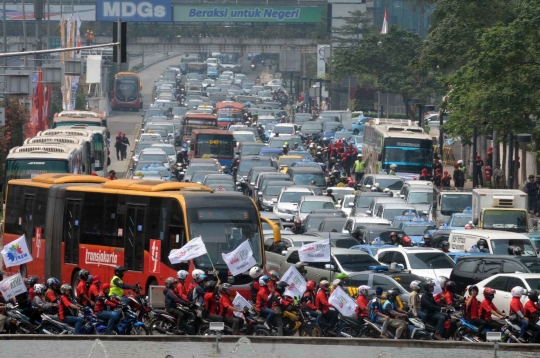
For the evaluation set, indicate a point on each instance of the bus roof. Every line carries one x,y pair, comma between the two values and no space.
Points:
59,178
77,130
212,131
80,114
119,74
77,117
229,104
153,185
41,151
398,128
54,140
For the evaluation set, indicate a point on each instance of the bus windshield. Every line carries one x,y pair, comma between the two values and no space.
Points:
28,168
214,145
127,88
222,231
190,126
408,152
454,203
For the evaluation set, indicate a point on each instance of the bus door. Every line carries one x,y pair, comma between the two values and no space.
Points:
177,235
72,231
28,219
134,240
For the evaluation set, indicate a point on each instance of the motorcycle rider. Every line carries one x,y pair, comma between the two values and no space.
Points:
194,275
211,301
321,301
279,299
261,305
472,307
530,311
25,306
376,314
30,282
393,168
297,228
487,308
82,290
308,301
172,300
390,310
359,168
442,284
103,306
445,247
275,276
53,286
181,282
199,291
226,308
67,309
517,307
39,299
332,181
301,267
330,195
482,245
117,285
450,293
433,311
255,272
95,288
362,311
394,239
427,240
414,301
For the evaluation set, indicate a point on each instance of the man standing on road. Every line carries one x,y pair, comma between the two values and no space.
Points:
531,189
125,142
118,145
359,168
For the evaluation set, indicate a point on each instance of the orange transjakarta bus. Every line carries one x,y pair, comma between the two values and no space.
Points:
75,222
229,113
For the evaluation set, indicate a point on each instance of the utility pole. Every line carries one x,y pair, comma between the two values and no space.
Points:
48,21
4,28
38,14
25,43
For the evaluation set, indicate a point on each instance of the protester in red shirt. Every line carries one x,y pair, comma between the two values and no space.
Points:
261,304
94,289
67,309
52,290
530,310
82,290
362,302
487,308
309,299
211,301
226,308
103,305
516,307
321,301
181,287
472,308
449,294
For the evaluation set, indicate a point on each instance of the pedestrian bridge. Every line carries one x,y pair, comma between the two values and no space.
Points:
201,44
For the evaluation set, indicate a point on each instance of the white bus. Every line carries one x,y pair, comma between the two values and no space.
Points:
400,142
95,149
70,118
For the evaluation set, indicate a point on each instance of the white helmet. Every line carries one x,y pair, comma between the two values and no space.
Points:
255,272
39,288
195,273
312,145
518,291
377,185
182,274
386,190
442,280
460,161
373,188
393,166
415,285
359,155
364,290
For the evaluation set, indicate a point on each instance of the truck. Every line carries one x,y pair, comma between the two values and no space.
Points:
448,201
500,209
344,117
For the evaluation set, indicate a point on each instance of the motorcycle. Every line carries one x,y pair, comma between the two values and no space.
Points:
351,327
416,330
16,322
52,324
139,304
129,323
166,323
253,66
253,326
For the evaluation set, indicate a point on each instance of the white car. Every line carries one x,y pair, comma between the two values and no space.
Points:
155,155
212,60
347,203
169,149
284,130
287,202
309,203
503,283
421,261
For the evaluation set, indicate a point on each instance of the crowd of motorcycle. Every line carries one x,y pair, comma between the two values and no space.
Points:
190,308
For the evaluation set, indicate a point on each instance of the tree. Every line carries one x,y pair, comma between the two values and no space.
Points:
356,26
12,133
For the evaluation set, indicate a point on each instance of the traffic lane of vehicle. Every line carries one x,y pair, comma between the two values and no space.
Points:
198,349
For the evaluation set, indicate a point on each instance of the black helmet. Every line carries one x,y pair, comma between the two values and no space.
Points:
210,286
329,191
445,244
225,287
169,282
472,288
451,286
481,242
281,286
32,280
119,270
427,237
533,295
517,251
392,295
90,279
83,275
427,285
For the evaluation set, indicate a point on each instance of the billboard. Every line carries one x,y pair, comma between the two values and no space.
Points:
275,14
86,12
134,10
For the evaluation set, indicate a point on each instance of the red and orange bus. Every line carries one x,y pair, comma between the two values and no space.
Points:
229,113
75,222
127,91
193,121
213,143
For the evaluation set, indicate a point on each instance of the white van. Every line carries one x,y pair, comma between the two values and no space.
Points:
497,241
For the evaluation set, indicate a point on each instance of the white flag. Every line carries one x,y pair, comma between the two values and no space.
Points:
342,302
240,302
297,284
16,253
12,286
318,251
191,250
384,29
240,260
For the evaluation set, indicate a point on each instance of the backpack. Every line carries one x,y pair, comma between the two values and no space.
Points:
372,307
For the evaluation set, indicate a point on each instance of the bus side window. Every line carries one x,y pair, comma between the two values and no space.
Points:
14,209
177,234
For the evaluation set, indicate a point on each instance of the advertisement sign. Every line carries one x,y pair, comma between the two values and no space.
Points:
101,256
240,260
86,12
16,253
12,286
134,10
277,14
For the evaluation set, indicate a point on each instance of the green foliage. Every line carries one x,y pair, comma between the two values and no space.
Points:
12,134
356,26
80,100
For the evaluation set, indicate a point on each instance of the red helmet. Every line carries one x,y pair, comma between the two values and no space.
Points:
105,286
407,241
489,293
310,286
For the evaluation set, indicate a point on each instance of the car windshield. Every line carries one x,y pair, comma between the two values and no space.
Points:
420,198
460,221
283,129
392,184
293,197
347,201
273,190
455,203
250,149
141,146
331,127
364,201
390,213
418,230
312,126
534,283
500,246
430,260
151,157
308,179
169,150
355,263
244,137
199,176
309,206
246,165
313,222
195,168
333,226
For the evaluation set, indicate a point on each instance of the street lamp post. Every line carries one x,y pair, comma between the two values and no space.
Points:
306,97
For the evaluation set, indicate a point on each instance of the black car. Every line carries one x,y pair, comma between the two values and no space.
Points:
314,219
311,130
368,233
268,195
246,163
362,201
470,270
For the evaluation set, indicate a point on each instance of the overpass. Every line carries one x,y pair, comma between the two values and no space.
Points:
200,44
